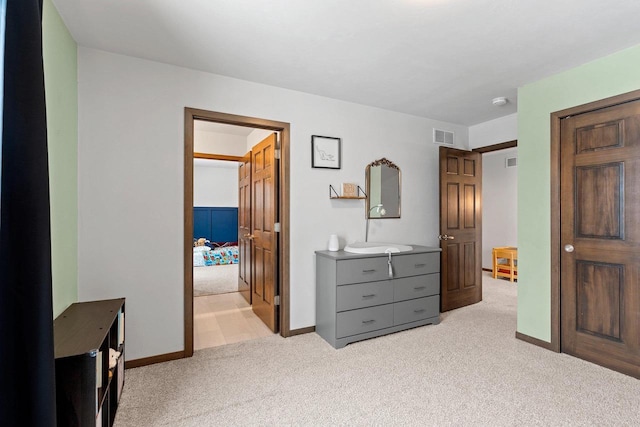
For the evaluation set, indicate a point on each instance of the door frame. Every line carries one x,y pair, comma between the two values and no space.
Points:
493,148
191,114
556,244
496,147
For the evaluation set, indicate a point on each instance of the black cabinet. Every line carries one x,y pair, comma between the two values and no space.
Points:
87,387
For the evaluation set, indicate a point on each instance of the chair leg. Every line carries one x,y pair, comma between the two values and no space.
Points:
495,266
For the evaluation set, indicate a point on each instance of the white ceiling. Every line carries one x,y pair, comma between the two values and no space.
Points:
441,59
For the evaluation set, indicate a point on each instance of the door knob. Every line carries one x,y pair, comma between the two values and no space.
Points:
249,236
445,237
569,248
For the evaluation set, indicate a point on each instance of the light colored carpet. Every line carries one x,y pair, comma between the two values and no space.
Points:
468,370
215,279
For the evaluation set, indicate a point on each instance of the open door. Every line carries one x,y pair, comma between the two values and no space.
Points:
264,238
460,228
244,226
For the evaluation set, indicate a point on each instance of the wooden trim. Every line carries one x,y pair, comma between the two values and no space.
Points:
302,331
285,180
556,117
136,363
192,114
536,341
188,232
600,104
217,157
496,147
236,120
555,232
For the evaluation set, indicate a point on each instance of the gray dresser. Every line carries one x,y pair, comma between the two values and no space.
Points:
356,299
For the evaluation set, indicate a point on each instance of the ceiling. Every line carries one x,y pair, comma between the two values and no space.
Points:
441,59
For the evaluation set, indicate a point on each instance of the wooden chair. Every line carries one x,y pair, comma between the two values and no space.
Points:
505,261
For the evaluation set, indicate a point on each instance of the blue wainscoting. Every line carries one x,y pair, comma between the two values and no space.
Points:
215,224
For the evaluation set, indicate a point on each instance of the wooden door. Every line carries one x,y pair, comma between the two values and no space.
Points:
244,227
600,237
264,203
460,228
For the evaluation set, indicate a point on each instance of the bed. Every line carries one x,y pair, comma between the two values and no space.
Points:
222,255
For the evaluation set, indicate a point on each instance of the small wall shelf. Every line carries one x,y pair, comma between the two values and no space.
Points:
333,194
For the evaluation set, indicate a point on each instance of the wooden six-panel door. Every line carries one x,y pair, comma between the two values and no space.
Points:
244,227
460,228
600,237
264,204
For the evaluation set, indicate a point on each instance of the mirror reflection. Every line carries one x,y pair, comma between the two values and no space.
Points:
383,190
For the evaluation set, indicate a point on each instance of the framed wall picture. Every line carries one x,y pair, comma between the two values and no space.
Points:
325,152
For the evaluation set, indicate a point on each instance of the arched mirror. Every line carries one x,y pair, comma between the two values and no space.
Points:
383,190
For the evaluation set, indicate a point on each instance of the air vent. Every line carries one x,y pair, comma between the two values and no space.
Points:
442,137
511,162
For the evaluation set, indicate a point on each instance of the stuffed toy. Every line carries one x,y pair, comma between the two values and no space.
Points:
113,358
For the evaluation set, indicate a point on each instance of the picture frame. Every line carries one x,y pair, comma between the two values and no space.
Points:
325,152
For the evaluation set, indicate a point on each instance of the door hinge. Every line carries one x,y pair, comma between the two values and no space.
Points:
277,154
276,227
276,300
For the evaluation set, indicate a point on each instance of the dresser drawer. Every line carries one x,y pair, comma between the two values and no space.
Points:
364,320
362,270
359,295
414,265
416,309
416,287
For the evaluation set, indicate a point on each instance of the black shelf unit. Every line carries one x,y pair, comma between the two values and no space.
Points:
87,390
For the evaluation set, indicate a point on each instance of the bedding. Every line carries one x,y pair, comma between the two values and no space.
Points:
218,256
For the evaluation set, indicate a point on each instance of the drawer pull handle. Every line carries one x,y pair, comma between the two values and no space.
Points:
419,311
369,271
419,288
368,321
420,265
369,296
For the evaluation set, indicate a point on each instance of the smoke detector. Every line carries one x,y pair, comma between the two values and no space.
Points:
499,101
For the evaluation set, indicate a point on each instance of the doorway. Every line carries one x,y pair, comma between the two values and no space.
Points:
499,202
221,314
281,238
595,169
461,224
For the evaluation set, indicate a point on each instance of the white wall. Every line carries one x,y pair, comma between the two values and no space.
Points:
257,136
215,183
219,143
130,177
496,131
499,203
